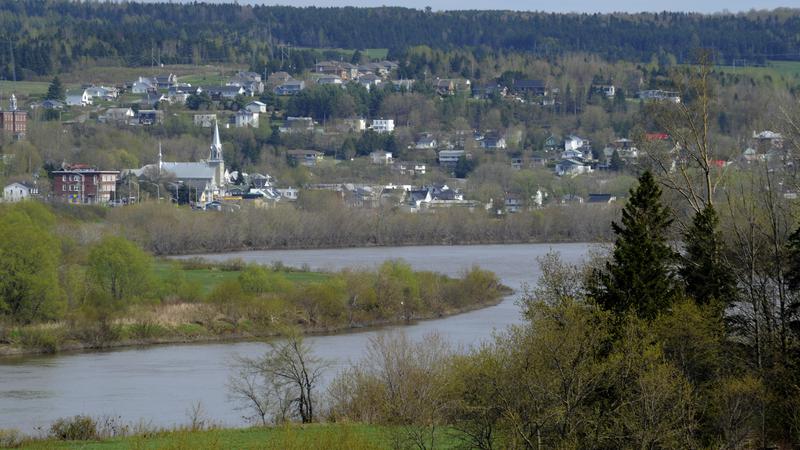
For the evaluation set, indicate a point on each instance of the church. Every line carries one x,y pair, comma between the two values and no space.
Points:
208,178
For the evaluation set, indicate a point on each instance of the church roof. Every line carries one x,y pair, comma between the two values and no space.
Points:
189,170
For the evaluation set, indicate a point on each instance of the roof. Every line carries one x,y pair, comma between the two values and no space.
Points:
601,198
189,170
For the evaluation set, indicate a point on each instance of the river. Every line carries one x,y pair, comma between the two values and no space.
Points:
158,385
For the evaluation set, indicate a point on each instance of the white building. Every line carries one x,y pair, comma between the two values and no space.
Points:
573,142
450,157
16,192
383,125
571,167
245,118
381,157
82,99
256,107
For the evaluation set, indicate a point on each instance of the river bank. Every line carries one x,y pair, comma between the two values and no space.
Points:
10,351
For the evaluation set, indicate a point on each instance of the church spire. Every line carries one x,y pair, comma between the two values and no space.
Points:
216,145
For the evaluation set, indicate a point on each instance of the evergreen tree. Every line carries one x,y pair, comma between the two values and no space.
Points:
706,275
639,276
616,162
56,90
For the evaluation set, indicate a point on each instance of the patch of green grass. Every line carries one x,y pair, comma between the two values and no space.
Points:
293,437
779,71
207,279
23,88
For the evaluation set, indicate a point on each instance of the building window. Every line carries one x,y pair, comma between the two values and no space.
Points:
64,187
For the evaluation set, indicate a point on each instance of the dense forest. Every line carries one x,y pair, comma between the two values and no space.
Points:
45,37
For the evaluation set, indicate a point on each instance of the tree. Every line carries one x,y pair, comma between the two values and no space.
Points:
793,272
706,275
56,90
639,276
29,257
289,370
118,268
616,162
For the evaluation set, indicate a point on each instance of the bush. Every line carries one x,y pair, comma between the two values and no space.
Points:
78,428
10,438
146,330
47,340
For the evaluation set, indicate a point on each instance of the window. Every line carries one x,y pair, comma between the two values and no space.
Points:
64,187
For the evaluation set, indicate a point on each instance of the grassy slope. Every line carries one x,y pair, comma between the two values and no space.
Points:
318,436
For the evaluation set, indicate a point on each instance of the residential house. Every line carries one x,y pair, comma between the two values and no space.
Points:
383,125
297,125
601,199
488,90
493,141
551,144
102,92
205,120
449,86
514,203
354,125
766,140
289,194
418,198
79,99
223,92
16,192
573,142
369,80
344,70
536,88
84,184
660,95
411,168
277,78
246,118
165,81
572,167
143,85
606,90
250,81
256,107
426,141
48,104
260,181
291,87
120,116
152,99
149,116
449,158
308,158
517,163
381,157
329,79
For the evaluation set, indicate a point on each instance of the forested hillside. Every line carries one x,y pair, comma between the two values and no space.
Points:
42,37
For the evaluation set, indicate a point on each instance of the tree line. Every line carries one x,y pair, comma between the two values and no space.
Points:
47,36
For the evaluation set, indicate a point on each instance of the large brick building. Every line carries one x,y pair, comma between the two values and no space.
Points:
83,184
12,120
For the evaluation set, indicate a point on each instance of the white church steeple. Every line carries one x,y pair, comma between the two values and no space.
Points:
216,145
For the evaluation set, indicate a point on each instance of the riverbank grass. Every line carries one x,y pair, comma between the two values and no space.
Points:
289,437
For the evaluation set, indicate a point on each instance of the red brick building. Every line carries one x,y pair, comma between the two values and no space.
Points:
14,121
83,184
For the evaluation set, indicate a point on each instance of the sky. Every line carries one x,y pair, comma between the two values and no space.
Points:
588,6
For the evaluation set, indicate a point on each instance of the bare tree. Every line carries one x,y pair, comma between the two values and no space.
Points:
282,380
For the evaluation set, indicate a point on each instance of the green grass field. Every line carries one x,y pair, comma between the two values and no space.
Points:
294,437
207,279
789,71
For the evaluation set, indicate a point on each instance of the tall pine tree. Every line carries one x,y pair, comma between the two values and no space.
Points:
704,271
793,272
639,276
56,90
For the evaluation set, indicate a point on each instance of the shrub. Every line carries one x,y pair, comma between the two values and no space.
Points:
146,330
78,428
47,340
10,438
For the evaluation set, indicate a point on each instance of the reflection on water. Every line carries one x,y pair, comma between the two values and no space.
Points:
159,384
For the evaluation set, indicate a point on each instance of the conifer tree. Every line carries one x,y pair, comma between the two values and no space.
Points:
704,271
56,90
639,276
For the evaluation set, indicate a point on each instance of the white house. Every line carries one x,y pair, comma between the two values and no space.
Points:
383,125
571,167
381,157
450,157
16,192
573,142
82,99
256,107
246,118
117,115
142,86
289,194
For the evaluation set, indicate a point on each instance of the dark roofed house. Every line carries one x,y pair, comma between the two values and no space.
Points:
165,81
532,87
601,199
